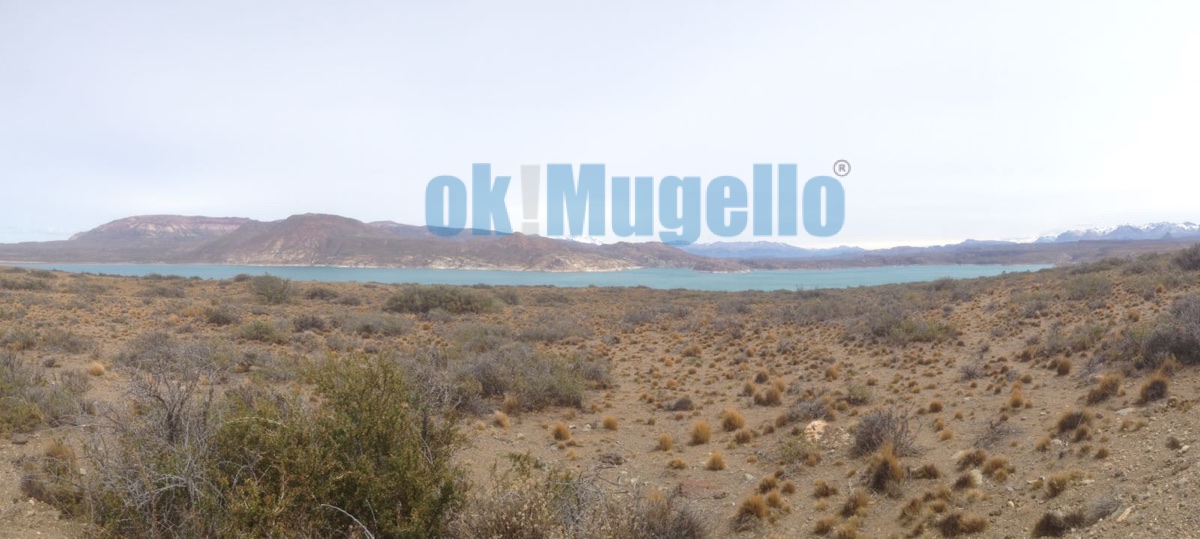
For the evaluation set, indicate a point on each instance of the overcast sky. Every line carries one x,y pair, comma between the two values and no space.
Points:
997,120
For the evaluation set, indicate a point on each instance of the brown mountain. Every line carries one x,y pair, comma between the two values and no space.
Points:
163,226
330,240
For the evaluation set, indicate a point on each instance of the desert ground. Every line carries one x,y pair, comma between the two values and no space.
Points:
1048,404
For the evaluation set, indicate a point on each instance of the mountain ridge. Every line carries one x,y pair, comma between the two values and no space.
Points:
331,240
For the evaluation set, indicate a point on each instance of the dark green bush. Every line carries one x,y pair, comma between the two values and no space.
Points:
261,330
535,379
271,289
220,315
321,293
370,457
452,299
24,284
369,460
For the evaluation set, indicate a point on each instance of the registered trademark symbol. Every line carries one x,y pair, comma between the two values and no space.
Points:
841,167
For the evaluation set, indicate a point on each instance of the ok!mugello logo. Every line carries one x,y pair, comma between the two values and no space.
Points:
584,200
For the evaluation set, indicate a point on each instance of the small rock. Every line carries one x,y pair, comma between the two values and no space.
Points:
20,439
1125,515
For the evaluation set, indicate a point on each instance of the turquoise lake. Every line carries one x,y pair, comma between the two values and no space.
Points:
653,278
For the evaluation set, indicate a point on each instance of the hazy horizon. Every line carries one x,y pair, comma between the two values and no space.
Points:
962,121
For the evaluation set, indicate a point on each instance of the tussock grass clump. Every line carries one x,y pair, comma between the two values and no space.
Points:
970,459
855,504
732,420
1154,388
500,419
701,432
96,368
770,396
560,431
665,442
926,471
822,489
609,422
1057,484
884,474
1073,419
716,462
1107,387
957,524
751,513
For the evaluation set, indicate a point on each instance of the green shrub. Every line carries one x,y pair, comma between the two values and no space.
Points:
183,463
1087,287
271,289
371,456
376,324
66,341
1188,259
28,400
220,315
536,380
261,330
422,299
321,293
24,284
163,292
308,322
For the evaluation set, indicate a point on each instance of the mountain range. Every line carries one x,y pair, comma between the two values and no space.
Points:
1153,231
331,240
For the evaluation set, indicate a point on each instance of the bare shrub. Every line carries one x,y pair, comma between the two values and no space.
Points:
876,428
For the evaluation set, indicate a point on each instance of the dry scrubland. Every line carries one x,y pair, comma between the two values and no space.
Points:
1049,404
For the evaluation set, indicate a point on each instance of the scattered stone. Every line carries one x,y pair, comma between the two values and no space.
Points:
20,439
1125,515
815,430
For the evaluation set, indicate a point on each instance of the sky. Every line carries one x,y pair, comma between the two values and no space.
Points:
981,120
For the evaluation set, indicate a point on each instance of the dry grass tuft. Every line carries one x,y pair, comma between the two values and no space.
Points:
609,422
716,462
958,524
1106,388
1154,388
96,368
750,513
884,473
821,489
701,432
855,504
732,420
665,442
560,431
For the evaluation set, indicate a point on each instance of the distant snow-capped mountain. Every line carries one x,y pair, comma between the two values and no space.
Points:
1152,231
